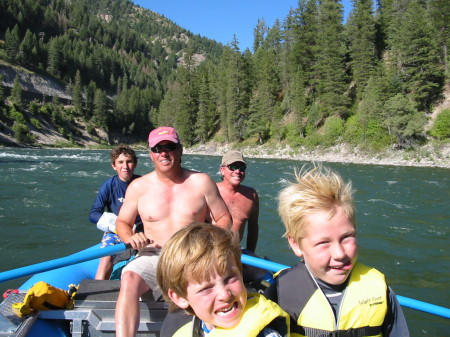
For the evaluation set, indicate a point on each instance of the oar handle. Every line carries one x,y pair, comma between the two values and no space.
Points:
79,257
404,301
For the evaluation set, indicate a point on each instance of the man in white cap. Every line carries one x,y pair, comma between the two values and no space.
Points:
242,201
167,199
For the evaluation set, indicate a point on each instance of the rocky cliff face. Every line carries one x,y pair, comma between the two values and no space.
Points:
43,88
42,85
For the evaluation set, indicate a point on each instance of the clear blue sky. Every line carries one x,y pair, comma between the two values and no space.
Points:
220,20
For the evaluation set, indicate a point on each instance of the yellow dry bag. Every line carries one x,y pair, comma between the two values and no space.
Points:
43,296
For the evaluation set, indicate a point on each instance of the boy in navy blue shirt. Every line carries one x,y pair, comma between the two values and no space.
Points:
109,200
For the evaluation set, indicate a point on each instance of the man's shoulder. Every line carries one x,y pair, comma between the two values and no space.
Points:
141,180
247,191
196,175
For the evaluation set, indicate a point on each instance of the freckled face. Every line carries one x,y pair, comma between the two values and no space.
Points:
124,166
330,247
218,302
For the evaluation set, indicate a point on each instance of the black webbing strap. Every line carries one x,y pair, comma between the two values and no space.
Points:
353,332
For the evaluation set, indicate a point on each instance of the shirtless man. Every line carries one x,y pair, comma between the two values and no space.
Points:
167,199
243,204
242,201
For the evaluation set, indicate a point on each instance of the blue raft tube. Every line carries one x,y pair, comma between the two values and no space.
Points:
74,268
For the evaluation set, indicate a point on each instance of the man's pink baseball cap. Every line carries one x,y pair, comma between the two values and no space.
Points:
163,133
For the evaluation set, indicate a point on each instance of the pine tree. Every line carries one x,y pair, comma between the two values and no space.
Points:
361,33
236,92
415,54
12,42
259,33
403,120
28,48
101,109
16,93
439,14
54,56
77,94
186,112
90,96
268,87
330,78
205,124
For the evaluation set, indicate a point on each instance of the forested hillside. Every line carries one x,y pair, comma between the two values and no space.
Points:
310,79
114,59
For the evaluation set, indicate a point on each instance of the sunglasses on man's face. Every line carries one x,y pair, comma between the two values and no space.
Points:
169,147
234,167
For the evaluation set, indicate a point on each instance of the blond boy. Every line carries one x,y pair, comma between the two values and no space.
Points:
200,271
329,292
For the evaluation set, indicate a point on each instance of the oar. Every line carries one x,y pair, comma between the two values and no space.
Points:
250,260
405,301
62,262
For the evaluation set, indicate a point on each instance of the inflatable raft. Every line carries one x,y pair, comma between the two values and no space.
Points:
95,301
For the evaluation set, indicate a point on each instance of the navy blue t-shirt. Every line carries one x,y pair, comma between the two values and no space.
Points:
110,198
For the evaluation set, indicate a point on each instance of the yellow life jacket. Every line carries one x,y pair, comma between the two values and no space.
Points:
43,296
362,310
259,313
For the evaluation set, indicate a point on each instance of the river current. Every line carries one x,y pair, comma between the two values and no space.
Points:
402,216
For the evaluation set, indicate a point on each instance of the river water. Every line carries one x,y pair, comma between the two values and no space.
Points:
402,216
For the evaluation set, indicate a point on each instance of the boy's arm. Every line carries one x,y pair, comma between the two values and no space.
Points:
99,205
394,324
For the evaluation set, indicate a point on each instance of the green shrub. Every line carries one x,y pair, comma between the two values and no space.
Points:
17,116
45,110
353,131
441,126
33,106
377,137
22,133
332,130
292,136
36,123
312,141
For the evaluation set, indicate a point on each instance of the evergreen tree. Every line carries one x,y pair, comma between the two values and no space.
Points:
330,71
205,124
267,89
403,120
361,34
90,96
16,93
439,14
12,42
77,94
100,116
186,112
55,56
28,49
236,93
259,33
415,54
304,43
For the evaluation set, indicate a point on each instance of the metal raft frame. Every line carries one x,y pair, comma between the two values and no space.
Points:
92,315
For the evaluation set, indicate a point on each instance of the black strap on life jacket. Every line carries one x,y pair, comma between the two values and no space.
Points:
352,332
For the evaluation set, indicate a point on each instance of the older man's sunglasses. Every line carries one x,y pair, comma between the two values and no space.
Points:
240,167
169,147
